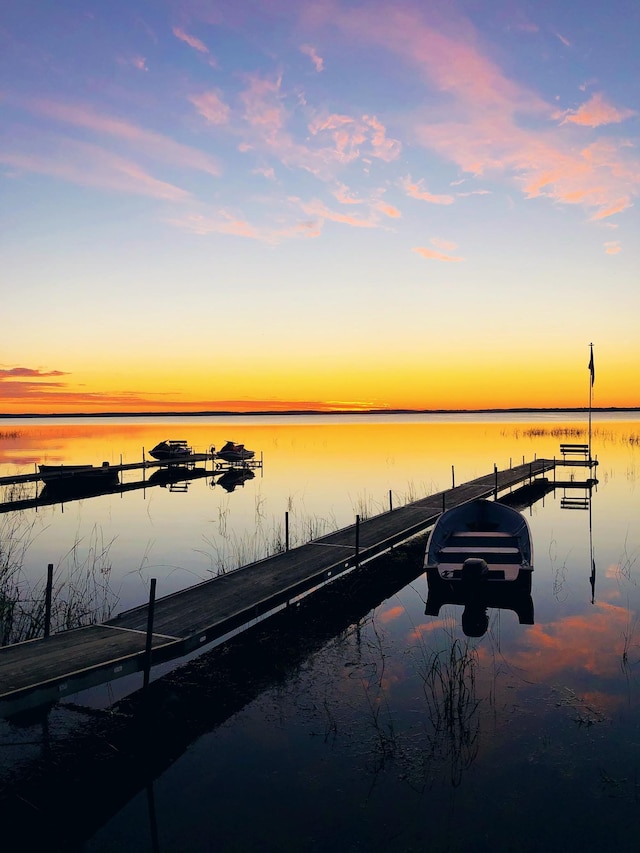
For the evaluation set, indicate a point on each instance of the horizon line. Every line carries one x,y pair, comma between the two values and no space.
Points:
330,412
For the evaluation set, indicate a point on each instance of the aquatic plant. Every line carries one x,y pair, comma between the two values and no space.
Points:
448,674
81,593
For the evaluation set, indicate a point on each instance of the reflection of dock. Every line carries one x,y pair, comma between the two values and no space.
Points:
44,670
173,475
179,462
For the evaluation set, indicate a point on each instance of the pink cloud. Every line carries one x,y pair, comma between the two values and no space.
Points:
344,196
613,247
484,122
385,149
146,142
433,255
417,190
211,107
311,52
192,41
564,41
352,138
91,166
388,210
266,172
138,62
317,208
224,222
618,207
596,112
445,245
31,372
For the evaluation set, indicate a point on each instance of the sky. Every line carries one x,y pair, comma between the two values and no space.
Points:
332,205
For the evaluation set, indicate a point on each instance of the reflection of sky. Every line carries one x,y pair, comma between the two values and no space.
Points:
554,702
323,472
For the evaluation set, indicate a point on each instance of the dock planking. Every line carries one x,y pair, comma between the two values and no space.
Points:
42,671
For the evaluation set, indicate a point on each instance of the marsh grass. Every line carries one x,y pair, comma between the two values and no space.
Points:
227,550
447,671
81,593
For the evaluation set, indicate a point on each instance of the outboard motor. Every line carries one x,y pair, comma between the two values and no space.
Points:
474,570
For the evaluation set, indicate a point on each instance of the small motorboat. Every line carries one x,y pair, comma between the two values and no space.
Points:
171,449
480,542
78,473
235,453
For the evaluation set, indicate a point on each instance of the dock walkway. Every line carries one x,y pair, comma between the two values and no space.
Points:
44,670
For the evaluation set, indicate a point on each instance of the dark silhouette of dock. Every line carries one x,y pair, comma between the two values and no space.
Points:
42,671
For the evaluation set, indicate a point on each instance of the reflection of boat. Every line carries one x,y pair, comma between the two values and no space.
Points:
235,477
171,449
235,452
175,474
77,473
75,488
480,542
475,621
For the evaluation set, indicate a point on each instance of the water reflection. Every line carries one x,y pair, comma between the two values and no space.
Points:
476,603
544,715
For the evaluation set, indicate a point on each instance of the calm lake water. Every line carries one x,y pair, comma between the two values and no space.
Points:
364,723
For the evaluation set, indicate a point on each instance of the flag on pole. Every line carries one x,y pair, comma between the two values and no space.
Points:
592,369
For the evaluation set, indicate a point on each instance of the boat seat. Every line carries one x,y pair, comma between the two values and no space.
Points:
490,555
475,539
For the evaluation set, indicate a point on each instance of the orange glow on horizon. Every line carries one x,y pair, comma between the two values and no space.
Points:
458,383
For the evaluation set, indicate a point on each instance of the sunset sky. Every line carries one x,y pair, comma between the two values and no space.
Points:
240,205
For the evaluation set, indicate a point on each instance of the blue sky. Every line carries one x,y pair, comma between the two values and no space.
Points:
324,204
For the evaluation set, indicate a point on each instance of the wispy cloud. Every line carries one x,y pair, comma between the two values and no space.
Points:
311,52
565,41
445,245
211,107
435,255
613,247
91,166
192,41
30,372
226,222
143,141
597,112
354,136
375,202
488,124
318,209
418,190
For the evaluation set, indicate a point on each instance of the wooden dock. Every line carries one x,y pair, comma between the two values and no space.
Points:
117,468
42,671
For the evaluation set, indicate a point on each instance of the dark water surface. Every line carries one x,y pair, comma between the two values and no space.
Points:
356,721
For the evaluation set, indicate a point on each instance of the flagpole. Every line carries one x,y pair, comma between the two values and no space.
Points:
591,376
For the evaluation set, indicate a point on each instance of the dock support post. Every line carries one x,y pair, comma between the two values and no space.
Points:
47,600
357,559
495,490
286,530
453,477
390,501
147,656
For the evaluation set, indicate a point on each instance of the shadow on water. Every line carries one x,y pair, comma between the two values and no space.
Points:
82,776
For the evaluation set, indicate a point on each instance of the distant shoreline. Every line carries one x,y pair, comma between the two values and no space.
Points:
316,412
